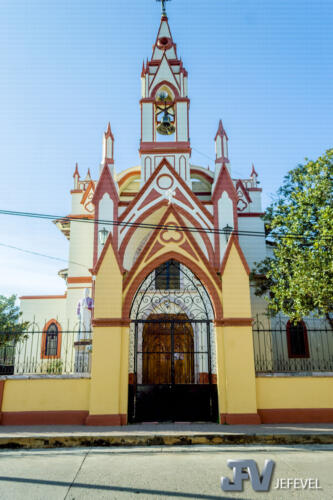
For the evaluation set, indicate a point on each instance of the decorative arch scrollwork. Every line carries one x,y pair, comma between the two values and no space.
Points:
191,298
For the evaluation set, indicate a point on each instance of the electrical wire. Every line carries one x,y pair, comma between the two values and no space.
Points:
213,160
107,222
31,252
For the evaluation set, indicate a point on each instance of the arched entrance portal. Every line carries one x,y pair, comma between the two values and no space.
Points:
172,349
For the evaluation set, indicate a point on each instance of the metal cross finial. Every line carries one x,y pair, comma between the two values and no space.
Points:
163,6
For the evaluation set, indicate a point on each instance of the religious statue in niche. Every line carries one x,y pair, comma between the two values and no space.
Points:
84,312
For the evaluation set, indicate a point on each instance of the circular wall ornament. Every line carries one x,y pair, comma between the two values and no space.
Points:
165,181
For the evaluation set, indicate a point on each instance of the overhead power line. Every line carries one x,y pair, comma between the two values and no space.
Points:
107,222
38,254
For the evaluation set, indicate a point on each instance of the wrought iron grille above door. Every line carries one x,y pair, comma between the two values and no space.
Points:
173,376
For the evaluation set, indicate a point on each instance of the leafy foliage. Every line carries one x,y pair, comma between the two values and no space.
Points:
299,278
11,329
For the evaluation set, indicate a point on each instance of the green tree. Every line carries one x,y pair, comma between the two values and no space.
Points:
298,279
11,329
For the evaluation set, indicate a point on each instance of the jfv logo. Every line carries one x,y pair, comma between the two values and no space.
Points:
247,469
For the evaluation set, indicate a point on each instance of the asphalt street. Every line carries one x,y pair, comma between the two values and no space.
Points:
192,472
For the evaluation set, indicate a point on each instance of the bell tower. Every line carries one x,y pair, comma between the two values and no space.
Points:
164,108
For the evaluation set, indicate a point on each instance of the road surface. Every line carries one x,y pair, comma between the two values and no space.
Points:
192,472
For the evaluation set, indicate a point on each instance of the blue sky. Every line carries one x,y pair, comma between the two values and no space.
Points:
67,68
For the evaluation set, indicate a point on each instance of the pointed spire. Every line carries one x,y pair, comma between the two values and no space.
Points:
220,130
164,42
88,176
76,171
143,72
253,172
221,143
108,132
108,143
76,176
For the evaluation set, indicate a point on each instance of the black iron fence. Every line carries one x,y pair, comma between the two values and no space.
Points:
50,352
285,347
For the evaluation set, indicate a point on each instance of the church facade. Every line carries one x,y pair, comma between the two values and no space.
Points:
157,320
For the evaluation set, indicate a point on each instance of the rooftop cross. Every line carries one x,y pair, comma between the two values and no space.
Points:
163,6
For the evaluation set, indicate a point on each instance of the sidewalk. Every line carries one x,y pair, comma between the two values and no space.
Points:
163,435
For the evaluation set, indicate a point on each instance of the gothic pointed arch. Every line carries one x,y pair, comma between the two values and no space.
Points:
196,270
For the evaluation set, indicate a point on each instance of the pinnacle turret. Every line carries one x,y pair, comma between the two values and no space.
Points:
253,172
76,176
108,146
221,144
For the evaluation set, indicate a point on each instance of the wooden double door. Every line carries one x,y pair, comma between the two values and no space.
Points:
166,385
167,350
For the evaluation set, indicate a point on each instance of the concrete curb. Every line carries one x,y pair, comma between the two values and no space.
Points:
41,441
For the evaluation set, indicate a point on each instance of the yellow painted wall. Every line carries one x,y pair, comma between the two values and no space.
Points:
123,381
235,288
109,376
236,375
221,372
294,392
46,395
108,289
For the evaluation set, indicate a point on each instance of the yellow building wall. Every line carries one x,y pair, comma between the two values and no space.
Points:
238,382
108,288
236,373
294,392
46,395
109,377
235,288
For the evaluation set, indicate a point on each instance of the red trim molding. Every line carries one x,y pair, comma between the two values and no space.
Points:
44,417
125,193
240,418
164,147
134,173
38,297
80,279
111,322
254,214
199,173
297,416
42,351
74,216
234,322
106,420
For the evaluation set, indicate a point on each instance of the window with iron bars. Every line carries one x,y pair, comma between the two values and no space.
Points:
51,342
167,276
